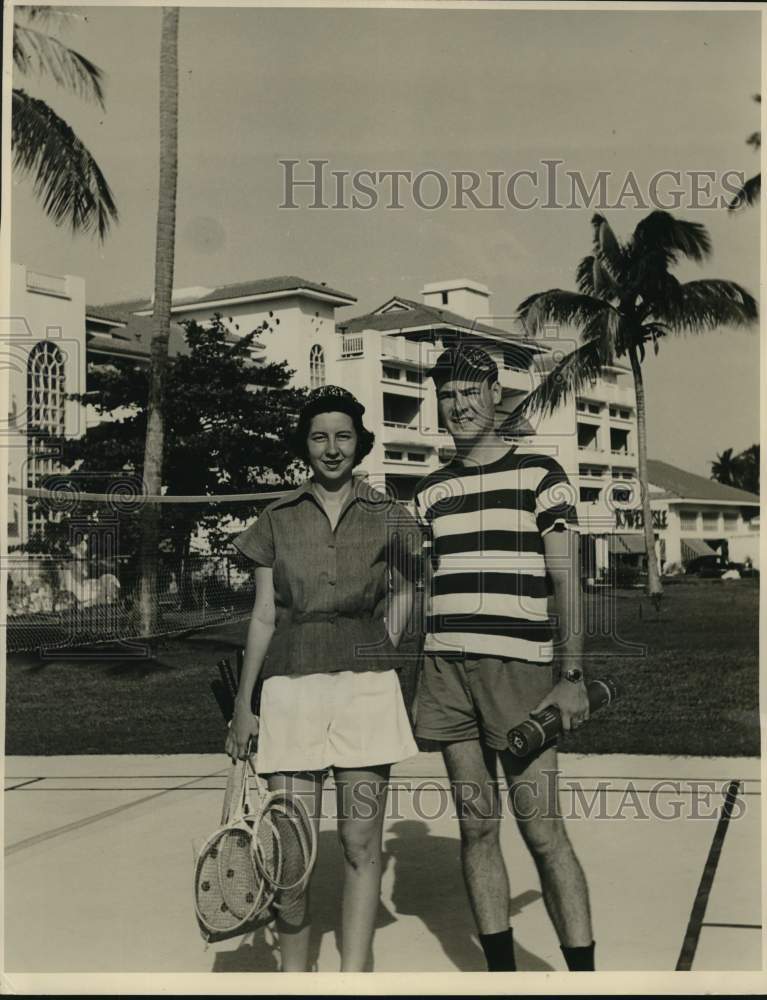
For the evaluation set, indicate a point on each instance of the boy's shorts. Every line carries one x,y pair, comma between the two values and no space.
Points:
480,698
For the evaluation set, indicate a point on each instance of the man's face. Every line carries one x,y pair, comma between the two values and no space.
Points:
468,408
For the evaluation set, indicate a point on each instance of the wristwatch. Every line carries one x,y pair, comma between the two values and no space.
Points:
574,675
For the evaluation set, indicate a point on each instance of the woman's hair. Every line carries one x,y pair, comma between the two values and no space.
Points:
331,399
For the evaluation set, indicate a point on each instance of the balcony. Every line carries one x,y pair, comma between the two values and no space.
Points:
396,432
407,351
617,395
352,346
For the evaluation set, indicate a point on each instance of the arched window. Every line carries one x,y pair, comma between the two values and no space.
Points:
316,367
45,417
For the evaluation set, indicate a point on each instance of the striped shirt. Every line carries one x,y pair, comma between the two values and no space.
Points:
483,530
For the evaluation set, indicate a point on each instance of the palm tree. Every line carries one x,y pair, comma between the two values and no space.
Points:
627,299
741,471
163,292
752,188
67,180
725,468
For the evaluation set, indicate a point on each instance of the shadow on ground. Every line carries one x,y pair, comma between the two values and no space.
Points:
428,885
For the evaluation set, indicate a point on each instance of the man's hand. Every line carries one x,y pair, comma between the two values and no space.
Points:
571,700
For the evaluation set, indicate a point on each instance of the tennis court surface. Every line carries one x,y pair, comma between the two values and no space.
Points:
99,858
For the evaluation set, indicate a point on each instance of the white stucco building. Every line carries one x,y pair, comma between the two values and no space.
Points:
382,357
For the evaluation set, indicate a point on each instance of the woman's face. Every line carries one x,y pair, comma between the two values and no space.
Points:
332,443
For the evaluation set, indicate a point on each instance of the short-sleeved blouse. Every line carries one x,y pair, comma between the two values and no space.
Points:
330,585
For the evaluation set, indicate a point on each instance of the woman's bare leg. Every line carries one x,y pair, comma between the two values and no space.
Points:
361,797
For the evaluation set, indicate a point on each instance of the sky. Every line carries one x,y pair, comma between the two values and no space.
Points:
481,90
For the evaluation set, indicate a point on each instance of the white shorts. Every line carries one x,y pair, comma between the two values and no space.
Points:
345,719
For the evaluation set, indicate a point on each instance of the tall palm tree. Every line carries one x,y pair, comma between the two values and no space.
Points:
627,299
165,243
750,192
67,180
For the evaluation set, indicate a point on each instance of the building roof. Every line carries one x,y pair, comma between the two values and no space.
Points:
417,315
135,339
238,290
677,484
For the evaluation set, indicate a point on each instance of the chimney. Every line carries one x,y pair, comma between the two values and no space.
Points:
469,299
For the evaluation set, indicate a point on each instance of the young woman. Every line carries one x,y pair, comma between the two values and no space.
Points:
334,575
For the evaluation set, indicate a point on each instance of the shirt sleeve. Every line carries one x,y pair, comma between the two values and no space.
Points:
405,542
257,541
424,526
555,501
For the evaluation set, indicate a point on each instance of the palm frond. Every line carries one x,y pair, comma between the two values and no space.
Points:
36,51
67,179
660,231
709,303
607,247
560,307
749,194
565,379
594,279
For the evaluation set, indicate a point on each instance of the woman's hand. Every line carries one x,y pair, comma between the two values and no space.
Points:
242,728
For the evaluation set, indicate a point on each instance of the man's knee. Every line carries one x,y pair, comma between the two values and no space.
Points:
545,836
479,832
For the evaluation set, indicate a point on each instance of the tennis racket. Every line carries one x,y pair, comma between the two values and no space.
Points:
230,893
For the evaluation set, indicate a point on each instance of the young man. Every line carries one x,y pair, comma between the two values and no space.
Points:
499,526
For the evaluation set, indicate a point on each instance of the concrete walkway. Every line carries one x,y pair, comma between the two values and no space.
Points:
99,856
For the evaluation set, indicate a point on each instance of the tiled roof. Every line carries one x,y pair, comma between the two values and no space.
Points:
418,315
111,314
135,338
241,289
677,483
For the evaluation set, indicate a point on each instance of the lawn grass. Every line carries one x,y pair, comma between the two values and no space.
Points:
689,681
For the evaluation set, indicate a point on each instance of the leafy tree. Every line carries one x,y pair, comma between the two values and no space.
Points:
752,188
226,421
67,180
741,471
628,299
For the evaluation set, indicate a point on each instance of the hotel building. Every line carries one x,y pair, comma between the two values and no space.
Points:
382,357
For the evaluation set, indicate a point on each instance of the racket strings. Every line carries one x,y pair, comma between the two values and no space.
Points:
255,865
289,826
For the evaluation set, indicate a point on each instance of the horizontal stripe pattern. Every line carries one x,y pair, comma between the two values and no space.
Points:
491,519
470,604
501,541
505,584
459,643
485,526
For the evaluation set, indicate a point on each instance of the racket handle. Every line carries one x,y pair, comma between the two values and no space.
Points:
531,735
223,698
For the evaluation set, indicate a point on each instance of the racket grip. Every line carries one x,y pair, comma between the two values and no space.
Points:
223,698
531,735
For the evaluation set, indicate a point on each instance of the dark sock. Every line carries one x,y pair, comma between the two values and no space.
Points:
499,951
579,959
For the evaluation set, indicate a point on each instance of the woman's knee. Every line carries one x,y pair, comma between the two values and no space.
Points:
361,845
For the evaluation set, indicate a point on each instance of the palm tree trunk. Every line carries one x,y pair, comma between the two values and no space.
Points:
654,586
163,290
